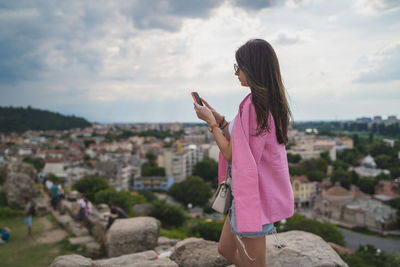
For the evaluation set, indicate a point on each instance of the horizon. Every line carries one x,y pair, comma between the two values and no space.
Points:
116,61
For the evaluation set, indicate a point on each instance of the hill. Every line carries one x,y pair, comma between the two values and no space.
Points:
19,119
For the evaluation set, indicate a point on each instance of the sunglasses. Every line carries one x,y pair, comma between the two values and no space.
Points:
236,68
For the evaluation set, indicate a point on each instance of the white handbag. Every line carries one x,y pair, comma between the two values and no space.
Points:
222,198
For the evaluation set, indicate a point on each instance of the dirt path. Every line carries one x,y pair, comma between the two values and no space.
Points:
51,233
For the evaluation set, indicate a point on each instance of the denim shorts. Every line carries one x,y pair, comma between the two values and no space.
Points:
28,221
266,228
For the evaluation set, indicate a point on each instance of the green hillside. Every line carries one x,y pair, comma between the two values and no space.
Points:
19,119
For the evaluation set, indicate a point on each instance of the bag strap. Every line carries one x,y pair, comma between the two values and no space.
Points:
226,173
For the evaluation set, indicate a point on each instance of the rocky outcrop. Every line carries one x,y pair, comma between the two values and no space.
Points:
146,258
132,235
302,249
197,252
19,183
71,261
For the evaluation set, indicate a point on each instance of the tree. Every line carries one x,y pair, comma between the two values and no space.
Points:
315,176
192,190
342,176
207,169
368,256
383,161
340,164
319,164
151,158
37,163
367,184
90,185
169,215
151,170
293,158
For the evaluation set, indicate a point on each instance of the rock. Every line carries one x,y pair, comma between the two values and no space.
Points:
65,220
72,196
142,209
80,240
99,231
93,250
165,244
77,231
71,261
41,206
127,259
165,241
132,235
102,208
197,252
68,207
302,249
164,262
18,186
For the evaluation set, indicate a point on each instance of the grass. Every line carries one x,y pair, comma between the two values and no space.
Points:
21,252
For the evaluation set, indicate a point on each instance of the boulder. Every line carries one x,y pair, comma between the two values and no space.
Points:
102,208
18,186
124,260
302,249
80,240
142,209
197,252
41,206
73,196
132,235
165,244
71,261
93,250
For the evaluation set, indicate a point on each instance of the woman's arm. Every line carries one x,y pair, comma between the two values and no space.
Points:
224,145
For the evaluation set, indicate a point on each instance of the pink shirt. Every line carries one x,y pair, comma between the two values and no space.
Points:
260,173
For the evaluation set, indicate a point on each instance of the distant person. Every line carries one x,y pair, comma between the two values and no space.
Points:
81,212
88,206
48,184
29,210
61,193
4,235
40,178
253,156
116,213
54,196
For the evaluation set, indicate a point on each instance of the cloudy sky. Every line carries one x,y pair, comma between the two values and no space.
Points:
138,61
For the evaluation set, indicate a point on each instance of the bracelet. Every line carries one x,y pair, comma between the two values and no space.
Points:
222,121
224,126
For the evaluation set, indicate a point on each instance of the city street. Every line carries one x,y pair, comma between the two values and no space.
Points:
353,240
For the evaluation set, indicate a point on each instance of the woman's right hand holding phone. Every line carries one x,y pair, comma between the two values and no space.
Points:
218,117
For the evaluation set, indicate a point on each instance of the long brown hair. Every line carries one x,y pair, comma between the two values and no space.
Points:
259,63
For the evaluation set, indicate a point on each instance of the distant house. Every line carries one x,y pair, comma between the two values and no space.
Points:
304,192
55,168
353,207
387,190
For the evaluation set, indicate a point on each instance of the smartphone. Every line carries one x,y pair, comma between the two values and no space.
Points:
196,98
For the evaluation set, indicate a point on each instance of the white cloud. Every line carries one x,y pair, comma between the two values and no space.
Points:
375,7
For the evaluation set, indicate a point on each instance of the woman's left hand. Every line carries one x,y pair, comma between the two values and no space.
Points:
204,113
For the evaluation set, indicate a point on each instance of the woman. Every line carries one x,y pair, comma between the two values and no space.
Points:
252,148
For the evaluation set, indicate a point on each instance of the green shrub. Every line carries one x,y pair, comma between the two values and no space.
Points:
148,195
325,230
169,215
3,173
368,256
6,212
208,230
122,199
3,199
90,185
